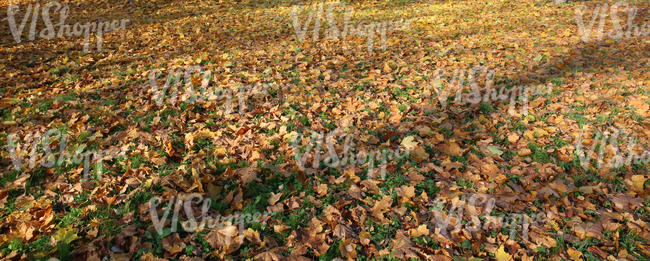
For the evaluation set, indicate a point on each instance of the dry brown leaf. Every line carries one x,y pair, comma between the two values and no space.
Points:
247,175
574,254
636,183
382,206
320,190
274,198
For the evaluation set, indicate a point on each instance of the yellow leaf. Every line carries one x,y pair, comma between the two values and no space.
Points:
220,151
574,254
513,137
502,255
636,183
409,143
66,235
321,190
538,133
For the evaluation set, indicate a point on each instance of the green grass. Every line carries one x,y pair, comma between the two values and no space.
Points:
539,154
580,119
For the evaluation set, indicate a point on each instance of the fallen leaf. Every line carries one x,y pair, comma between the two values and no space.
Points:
409,143
274,198
502,255
574,254
495,150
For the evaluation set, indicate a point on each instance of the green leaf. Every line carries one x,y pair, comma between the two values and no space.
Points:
495,150
66,235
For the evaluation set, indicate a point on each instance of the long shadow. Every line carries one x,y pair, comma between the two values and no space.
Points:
629,54
41,51
597,55
600,56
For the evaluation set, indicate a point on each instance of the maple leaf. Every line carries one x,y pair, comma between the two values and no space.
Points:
348,249
409,142
403,247
252,236
224,238
502,255
268,256
637,183
574,254
66,235
321,189
274,198
382,206
452,148
247,175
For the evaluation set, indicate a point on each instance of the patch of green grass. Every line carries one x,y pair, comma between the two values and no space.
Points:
427,242
394,180
486,108
382,233
70,218
304,120
40,245
71,77
67,97
466,245
472,127
556,81
446,132
539,154
602,118
9,176
476,151
202,143
629,241
35,180
138,199
518,126
514,178
580,119
465,183
428,186
59,70
579,107
110,102
559,142
333,252
298,218
137,160
44,106
461,158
